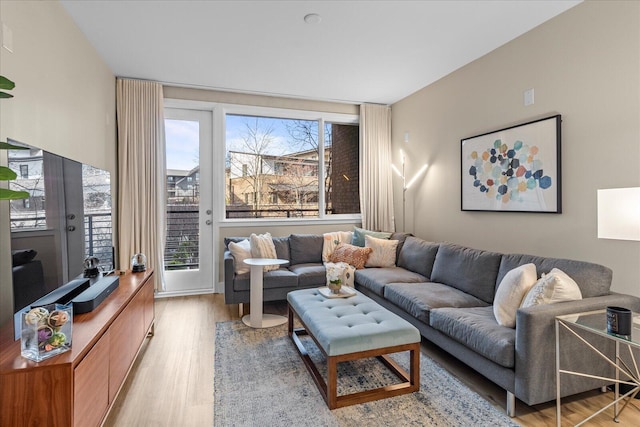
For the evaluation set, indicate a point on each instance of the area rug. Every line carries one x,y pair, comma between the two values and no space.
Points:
260,380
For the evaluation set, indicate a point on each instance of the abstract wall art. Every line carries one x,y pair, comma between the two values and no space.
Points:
516,169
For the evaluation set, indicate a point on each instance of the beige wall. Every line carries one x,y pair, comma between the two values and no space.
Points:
585,65
64,100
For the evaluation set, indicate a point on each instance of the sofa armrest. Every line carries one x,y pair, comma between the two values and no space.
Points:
536,354
229,275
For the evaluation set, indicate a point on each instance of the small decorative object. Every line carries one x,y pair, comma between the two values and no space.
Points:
334,274
91,267
619,321
138,263
516,169
46,331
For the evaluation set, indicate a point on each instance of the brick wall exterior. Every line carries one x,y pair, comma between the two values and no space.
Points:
345,152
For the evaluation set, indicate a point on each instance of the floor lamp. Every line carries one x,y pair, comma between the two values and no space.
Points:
405,185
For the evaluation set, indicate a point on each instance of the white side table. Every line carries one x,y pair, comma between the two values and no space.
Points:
256,319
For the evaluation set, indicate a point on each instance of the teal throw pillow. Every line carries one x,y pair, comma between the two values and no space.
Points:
359,233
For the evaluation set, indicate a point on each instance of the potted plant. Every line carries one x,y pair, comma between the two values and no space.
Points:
7,174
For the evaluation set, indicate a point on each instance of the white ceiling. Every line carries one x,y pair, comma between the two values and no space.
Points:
361,51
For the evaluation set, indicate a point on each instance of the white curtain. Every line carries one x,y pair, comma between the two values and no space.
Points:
376,188
141,168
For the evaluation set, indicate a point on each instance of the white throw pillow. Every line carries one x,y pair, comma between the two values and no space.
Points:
383,252
511,291
262,247
332,240
556,286
240,252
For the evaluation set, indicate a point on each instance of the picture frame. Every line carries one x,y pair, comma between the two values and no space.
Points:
515,169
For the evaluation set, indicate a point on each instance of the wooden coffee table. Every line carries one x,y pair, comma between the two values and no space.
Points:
353,328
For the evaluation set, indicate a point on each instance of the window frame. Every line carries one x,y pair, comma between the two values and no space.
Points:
219,110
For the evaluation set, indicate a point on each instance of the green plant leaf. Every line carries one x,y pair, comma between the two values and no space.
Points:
7,146
7,174
5,95
13,195
6,84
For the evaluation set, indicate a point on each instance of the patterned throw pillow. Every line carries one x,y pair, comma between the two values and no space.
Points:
383,252
555,286
240,252
262,247
353,255
332,240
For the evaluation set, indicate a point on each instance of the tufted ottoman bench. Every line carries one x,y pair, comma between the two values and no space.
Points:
353,328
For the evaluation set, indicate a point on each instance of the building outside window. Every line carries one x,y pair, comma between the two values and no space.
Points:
285,167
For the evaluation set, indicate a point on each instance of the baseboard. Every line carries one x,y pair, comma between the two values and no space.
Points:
164,294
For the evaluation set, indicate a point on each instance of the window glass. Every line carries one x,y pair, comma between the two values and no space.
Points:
274,168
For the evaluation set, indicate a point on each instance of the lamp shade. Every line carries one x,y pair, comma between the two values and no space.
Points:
619,213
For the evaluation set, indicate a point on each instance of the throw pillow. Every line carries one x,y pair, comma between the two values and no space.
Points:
383,252
511,291
359,233
350,254
240,251
262,247
331,240
556,286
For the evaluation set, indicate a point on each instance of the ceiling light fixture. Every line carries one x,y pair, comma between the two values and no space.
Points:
312,18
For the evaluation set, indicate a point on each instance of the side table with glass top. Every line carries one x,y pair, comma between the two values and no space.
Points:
595,322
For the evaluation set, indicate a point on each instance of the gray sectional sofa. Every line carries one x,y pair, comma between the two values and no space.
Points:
447,291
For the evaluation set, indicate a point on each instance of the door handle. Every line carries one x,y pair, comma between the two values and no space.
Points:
71,228
208,222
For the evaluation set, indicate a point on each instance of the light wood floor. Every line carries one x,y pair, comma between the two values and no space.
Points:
171,383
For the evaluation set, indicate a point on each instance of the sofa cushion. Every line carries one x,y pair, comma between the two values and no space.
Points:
383,252
310,274
400,236
511,291
477,329
471,270
262,247
359,233
351,254
594,280
418,299
240,251
306,248
418,255
332,240
555,286
281,278
375,279
282,247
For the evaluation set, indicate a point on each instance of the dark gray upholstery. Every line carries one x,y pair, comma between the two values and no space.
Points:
376,278
306,248
282,247
310,274
471,270
476,328
594,280
418,255
280,278
418,299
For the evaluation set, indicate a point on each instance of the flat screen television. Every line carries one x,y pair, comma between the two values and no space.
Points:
67,218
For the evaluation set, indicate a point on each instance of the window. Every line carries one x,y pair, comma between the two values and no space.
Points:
285,167
24,171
